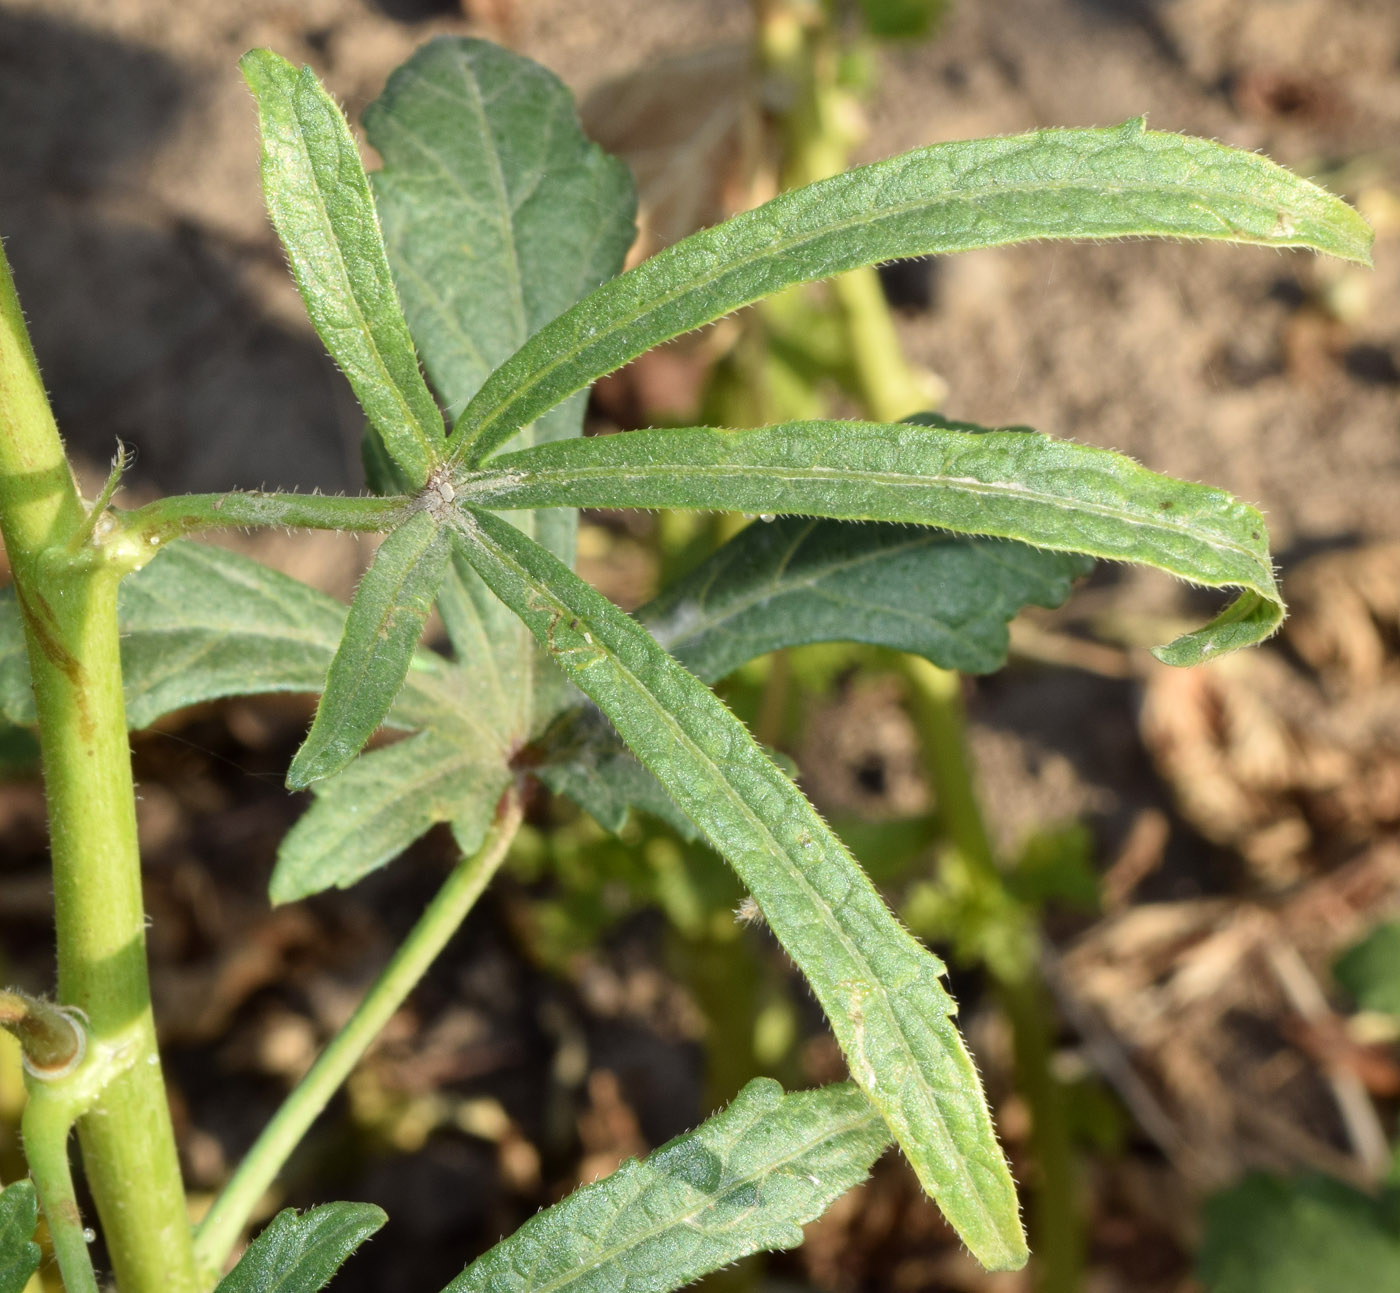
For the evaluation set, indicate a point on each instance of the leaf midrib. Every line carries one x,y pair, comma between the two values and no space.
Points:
513,481
782,246
400,397
761,829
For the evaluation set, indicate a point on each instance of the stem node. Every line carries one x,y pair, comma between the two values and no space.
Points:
52,1039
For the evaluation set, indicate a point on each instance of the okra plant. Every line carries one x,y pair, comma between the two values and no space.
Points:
484,253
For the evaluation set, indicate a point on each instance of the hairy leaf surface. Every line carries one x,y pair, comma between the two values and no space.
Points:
1108,183
381,634
363,817
319,200
19,1254
880,988
796,580
300,1254
499,213
1010,484
199,623
745,1181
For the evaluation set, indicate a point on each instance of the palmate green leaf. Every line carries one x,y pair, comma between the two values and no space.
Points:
366,815
796,580
1108,183
300,1254
498,213
880,988
199,623
745,1181
319,200
385,622
19,1254
1010,484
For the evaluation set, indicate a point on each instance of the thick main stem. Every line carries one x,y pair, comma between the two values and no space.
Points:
219,1230
69,604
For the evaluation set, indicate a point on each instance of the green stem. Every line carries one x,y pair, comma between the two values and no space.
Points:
69,608
1009,956
1057,1223
220,1229
172,518
800,47
888,387
938,706
46,1125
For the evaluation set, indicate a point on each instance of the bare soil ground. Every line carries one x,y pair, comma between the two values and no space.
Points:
1245,815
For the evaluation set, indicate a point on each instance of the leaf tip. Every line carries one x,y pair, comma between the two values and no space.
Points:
1012,1256
315,761
281,889
260,66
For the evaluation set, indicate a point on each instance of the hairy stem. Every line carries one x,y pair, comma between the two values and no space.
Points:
220,1229
69,607
172,518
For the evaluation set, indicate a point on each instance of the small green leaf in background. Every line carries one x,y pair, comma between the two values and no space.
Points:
1370,970
581,755
1013,484
796,580
745,1181
902,19
300,1254
1124,181
386,620
880,988
19,1254
319,200
1314,1235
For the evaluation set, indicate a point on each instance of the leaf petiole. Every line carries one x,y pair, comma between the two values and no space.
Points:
219,1230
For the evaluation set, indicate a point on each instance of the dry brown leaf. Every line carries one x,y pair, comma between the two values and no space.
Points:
688,126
